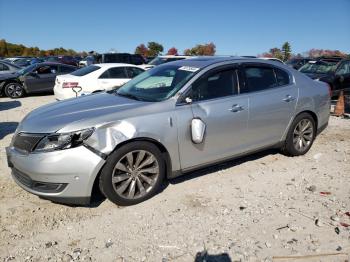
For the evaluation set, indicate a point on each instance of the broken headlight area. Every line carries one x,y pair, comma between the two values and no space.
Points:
61,141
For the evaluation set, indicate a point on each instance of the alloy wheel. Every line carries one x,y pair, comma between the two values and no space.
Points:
303,135
14,90
135,174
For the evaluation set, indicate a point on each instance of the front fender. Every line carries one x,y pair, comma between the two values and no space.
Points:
160,128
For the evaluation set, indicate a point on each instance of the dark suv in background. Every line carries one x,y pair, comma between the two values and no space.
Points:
126,58
333,70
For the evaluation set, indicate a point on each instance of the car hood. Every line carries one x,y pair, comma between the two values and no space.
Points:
8,76
78,113
315,75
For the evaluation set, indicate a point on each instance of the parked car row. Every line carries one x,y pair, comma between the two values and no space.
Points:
118,68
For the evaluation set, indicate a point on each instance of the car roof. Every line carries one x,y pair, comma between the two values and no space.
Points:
174,56
53,63
114,65
9,64
204,61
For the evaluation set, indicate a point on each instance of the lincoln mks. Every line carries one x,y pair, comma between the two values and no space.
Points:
172,119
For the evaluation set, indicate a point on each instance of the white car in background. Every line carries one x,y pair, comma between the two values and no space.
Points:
94,78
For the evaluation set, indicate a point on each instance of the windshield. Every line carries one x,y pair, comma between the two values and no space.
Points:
318,68
85,70
26,69
158,84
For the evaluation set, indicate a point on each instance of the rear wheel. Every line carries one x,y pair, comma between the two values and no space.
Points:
301,135
14,90
133,173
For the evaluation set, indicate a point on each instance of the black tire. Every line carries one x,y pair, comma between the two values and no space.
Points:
109,188
14,90
292,146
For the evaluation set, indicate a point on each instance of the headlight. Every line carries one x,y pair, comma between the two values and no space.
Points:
63,141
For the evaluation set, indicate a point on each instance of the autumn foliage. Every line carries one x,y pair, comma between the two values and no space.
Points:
172,51
8,50
200,50
324,52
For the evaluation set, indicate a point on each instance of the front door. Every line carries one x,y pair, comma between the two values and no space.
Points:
42,80
217,103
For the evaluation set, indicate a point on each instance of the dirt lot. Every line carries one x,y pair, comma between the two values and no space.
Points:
252,209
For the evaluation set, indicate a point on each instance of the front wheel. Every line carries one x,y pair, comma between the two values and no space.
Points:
133,173
14,90
301,135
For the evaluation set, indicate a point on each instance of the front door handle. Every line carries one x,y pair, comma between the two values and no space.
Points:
288,98
236,108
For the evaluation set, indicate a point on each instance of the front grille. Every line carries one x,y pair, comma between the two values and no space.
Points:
26,142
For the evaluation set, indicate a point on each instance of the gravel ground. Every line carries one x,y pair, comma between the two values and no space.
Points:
257,208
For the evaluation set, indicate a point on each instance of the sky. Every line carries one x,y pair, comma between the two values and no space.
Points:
236,27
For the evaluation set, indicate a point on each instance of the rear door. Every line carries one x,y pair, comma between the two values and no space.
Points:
272,99
113,78
225,113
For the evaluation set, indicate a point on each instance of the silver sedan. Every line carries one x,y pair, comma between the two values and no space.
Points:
167,121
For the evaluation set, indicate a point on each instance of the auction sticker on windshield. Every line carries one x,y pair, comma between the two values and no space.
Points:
188,68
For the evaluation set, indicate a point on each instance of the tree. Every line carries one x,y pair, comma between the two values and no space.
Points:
141,50
321,52
172,51
201,50
286,51
3,48
154,49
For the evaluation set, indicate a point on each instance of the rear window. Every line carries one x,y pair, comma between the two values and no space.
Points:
67,69
85,70
4,67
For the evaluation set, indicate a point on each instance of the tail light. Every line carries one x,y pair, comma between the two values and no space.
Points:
70,84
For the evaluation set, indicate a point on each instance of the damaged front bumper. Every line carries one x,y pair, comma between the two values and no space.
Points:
65,176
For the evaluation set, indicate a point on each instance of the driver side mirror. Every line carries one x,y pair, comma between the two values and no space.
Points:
197,130
34,74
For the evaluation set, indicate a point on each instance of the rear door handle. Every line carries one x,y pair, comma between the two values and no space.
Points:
288,98
236,108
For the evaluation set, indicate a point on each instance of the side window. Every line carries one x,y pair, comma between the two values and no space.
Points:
259,78
47,70
215,85
4,67
282,77
115,72
344,69
105,75
133,71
